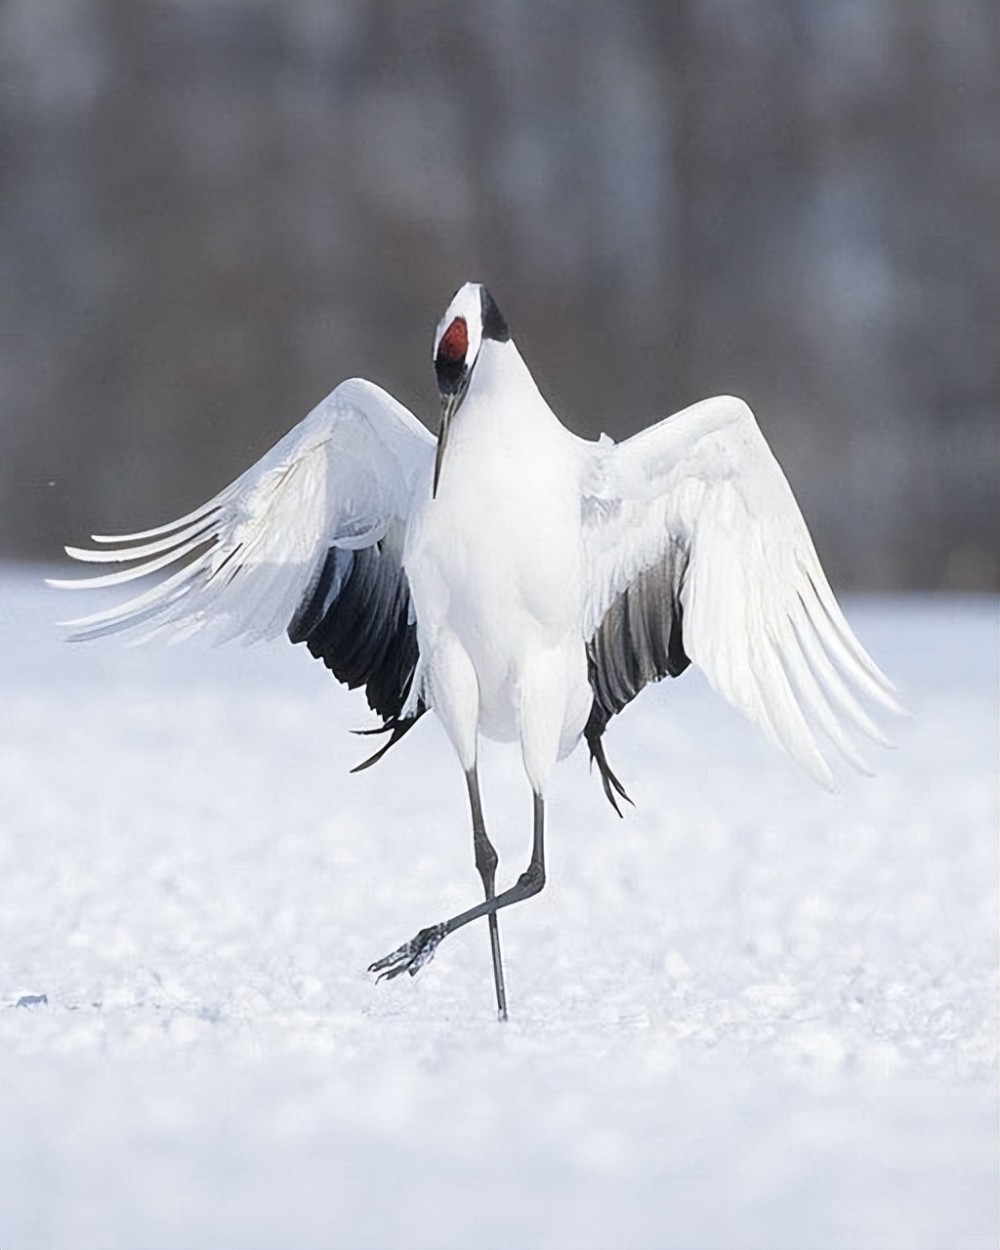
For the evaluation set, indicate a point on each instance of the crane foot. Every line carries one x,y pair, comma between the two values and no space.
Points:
411,956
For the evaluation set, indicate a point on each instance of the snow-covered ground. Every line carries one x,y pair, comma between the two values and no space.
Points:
749,1015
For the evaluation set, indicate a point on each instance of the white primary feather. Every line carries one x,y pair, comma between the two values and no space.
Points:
339,478
702,491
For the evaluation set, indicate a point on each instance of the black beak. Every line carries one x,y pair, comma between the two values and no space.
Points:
448,405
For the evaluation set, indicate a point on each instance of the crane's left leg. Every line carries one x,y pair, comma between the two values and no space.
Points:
412,955
555,701
486,863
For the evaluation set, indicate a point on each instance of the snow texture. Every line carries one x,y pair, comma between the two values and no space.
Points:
749,1015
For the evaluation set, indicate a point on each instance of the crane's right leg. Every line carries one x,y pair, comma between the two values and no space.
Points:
486,863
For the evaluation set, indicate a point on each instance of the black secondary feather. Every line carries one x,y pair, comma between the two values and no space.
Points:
357,618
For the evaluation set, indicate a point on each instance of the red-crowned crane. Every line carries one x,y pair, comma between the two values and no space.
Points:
519,581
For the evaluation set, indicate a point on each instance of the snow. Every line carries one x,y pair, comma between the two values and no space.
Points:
750,1014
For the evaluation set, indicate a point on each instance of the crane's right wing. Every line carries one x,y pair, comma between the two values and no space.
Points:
308,541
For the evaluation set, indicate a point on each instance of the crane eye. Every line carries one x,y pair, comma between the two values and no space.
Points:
454,342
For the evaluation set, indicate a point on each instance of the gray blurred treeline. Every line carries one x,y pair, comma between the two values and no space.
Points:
212,212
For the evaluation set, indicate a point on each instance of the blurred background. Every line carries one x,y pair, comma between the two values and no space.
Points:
213,211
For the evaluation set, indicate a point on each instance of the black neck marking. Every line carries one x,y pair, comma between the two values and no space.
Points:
494,323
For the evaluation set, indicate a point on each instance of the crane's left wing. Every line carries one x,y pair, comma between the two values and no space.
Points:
308,541
697,552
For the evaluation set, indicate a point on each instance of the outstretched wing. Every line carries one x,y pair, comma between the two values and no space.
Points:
308,540
698,552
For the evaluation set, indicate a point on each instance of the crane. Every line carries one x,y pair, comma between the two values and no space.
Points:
520,582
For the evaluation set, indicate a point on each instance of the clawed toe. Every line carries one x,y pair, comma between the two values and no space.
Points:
411,956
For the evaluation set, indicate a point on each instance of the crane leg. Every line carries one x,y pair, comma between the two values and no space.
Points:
486,863
412,955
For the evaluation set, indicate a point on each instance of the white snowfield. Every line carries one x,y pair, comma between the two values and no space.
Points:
751,1014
